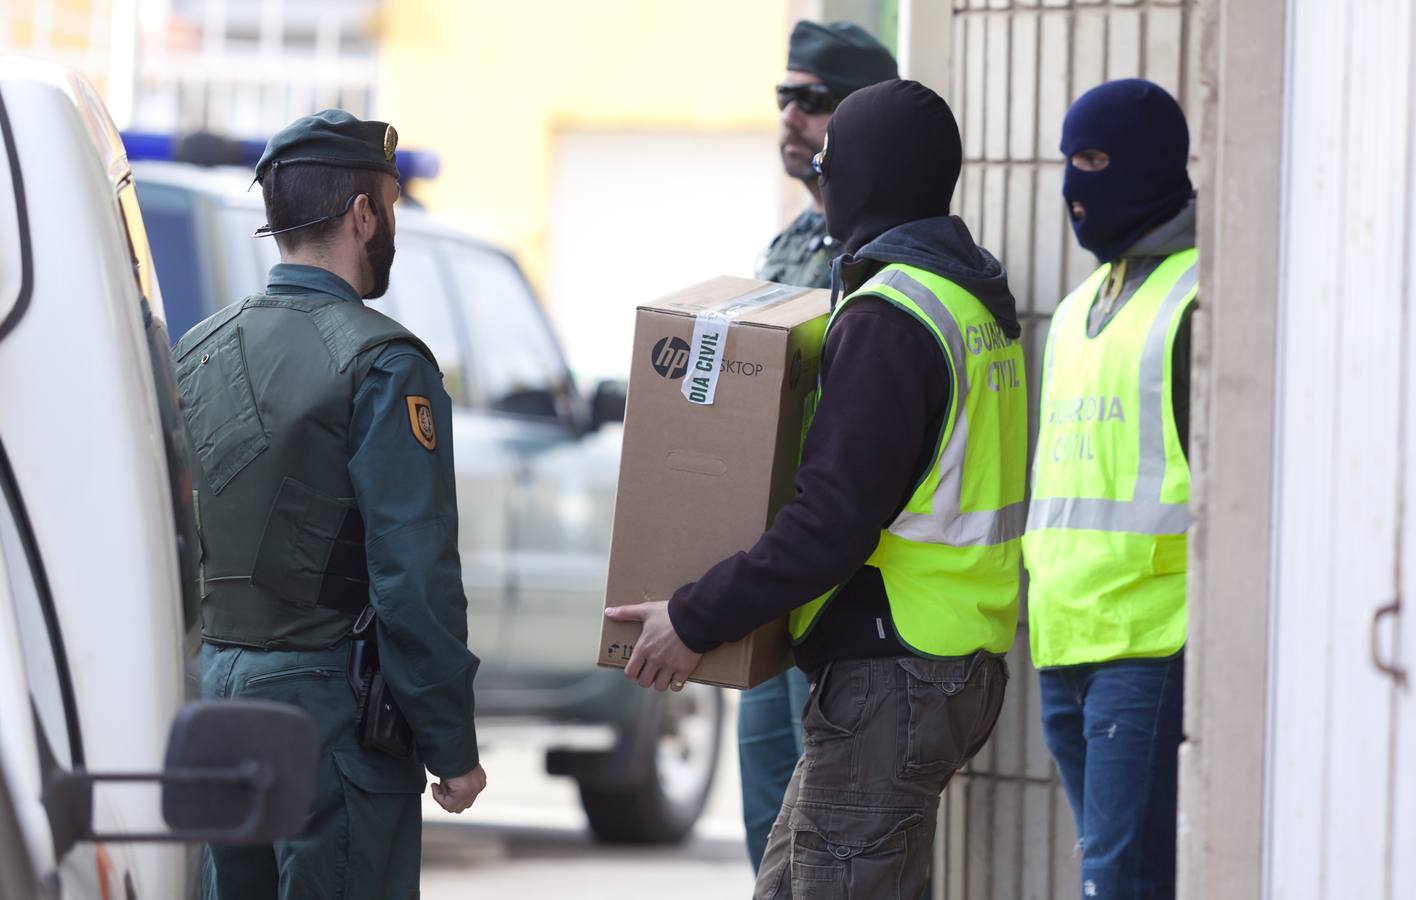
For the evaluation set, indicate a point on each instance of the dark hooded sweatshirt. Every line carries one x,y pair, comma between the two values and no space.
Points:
885,392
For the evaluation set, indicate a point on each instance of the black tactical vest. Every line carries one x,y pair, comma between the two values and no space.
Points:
267,388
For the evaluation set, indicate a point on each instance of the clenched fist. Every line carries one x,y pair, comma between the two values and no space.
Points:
457,794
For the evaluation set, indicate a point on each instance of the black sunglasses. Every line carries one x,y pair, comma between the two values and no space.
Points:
811,99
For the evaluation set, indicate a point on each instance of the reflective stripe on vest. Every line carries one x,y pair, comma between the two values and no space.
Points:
949,561
1144,513
1105,544
948,523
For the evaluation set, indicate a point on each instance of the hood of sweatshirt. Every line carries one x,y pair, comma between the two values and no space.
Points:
943,245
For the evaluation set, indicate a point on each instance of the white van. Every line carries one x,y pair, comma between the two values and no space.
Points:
97,546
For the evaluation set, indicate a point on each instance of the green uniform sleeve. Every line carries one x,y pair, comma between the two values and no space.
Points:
400,442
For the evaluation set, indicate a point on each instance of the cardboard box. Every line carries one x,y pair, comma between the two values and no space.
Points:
717,388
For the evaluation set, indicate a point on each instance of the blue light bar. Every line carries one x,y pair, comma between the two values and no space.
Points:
161,146
417,164
146,145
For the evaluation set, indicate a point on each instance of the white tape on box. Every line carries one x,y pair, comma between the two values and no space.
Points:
705,357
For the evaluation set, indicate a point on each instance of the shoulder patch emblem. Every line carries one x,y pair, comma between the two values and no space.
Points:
420,419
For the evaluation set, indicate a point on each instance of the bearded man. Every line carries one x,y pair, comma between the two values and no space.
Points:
330,577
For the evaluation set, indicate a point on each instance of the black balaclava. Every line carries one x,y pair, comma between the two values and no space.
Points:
892,156
1143,130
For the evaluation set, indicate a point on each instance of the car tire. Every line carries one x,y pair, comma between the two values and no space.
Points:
676,745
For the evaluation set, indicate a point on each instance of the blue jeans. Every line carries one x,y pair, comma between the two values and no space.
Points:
1114,729
769,745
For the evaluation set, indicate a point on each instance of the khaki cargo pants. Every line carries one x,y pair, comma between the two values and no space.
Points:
883,737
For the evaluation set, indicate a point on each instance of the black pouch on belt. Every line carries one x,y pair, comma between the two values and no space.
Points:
378,721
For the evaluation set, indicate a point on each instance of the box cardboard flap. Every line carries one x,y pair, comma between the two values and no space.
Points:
746,301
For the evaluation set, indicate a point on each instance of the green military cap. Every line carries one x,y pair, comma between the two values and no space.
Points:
841,54
333,138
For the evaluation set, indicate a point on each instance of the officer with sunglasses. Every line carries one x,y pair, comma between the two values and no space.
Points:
825,63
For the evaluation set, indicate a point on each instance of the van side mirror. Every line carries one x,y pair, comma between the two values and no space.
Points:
236,772
607,403
241,769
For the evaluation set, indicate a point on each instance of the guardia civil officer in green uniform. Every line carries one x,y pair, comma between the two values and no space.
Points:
1106,533
328,502
825,64
897,563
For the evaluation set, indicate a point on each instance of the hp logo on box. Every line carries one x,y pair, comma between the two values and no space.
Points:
670,357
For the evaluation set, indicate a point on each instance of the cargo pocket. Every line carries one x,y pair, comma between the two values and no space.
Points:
315,681
948,703
312,551
377,773
220,408
836,704
322,690
842,851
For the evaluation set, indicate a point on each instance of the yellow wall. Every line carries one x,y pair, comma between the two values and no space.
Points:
69,24
486,84
65,35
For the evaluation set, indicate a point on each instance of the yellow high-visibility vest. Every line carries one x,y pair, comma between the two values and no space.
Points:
1106,533
950,561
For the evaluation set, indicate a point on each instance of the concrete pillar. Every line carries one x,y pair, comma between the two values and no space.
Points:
1231,446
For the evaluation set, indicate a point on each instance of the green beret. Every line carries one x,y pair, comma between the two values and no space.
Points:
333,138
841,54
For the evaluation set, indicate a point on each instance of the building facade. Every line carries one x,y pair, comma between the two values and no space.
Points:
1298,775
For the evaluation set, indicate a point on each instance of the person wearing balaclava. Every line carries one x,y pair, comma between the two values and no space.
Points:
1105,546
825,64
897,563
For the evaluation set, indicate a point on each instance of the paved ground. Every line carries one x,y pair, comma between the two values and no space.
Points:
527,838
464,861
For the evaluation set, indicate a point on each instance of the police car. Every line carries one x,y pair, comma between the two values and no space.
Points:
537,463
105,766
